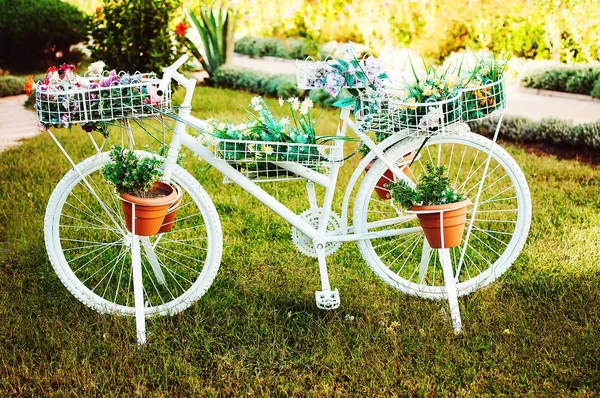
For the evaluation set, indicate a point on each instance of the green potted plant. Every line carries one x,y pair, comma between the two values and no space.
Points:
136,181
433,195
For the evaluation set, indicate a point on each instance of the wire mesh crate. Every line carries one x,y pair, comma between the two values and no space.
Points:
137,98
480,102
388,113
311,74
255,159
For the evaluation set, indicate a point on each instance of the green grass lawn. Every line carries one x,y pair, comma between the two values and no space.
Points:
257,331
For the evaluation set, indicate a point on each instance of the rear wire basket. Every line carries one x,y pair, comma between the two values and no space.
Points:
255,159
385,112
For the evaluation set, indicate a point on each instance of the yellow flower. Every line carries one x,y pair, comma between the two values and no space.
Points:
411,100
484,71
452,80
427,91
268,149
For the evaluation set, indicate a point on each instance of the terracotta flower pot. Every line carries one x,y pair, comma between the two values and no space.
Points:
169,219
388,176
149,212
454,223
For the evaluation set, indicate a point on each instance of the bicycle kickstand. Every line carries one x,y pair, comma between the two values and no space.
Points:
326,298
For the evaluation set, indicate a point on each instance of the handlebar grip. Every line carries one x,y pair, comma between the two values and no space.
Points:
178,63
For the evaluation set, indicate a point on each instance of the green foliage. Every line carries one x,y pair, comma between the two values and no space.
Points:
596,89
38,33
134,35
565,78
256,47
129,173
548,131
538,29
433,188
11,85
279,85
215,28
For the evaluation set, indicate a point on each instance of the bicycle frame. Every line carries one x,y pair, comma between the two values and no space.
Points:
320,235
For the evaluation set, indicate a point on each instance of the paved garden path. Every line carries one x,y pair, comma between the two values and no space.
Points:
17,123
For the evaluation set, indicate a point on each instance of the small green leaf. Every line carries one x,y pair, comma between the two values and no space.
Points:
344,102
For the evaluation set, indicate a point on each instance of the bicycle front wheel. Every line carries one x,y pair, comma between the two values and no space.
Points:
90,248
499,229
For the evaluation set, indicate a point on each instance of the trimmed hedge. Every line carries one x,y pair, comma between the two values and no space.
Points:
270,85
11,85
38,33
547,131
257,47
569,79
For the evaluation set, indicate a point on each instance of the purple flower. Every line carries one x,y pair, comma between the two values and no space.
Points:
333,84
110,80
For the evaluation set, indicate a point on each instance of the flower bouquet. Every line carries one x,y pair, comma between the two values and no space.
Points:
64,98
252,146
483,91
428,102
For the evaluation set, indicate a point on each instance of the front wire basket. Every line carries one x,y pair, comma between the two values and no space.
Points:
101,104
255,159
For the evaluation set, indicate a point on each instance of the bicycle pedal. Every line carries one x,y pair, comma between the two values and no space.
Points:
327,299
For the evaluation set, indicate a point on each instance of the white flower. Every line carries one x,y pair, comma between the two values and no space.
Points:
53,79
307,103
349,318
256,104
221,126
483,71
280,101
433,118
295,105
303,109
285,121
96,68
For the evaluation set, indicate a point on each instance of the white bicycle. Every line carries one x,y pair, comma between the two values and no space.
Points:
113,271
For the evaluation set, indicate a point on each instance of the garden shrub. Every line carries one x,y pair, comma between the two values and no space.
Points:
11,85
548,131
257,47
596,89
262,83
570,79
134,35
38,33
238,78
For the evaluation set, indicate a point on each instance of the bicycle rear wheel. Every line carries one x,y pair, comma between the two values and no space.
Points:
500,226
89,246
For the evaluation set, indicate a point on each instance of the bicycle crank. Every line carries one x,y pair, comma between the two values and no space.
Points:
304,244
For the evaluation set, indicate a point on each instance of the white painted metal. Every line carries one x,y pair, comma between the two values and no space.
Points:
138,287
387,154
450,287
520,221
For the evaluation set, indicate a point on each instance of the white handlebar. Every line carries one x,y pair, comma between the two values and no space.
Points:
177,63
170,72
